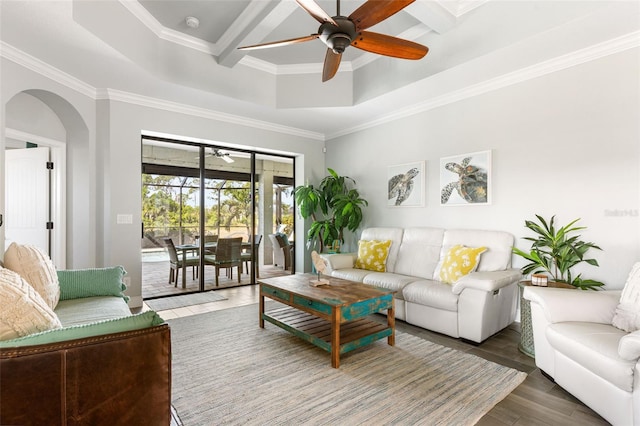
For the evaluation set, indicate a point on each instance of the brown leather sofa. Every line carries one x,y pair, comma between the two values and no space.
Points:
114,379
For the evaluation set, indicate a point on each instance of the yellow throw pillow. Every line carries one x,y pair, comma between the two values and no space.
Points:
372,255
460,261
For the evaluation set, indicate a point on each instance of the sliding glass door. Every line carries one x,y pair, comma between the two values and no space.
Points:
196,198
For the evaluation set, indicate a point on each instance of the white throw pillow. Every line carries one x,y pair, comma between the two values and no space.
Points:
627,315
23,311
36,268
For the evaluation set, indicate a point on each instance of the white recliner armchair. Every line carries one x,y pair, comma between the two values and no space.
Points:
578,347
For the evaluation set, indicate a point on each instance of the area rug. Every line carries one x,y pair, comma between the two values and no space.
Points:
228,371
174,302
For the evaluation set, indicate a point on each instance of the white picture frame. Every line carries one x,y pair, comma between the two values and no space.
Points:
466,179
406,185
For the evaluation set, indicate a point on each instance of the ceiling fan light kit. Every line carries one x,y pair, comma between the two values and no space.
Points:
338,37
339,32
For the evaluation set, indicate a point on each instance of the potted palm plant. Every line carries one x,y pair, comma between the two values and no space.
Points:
333,206
556,250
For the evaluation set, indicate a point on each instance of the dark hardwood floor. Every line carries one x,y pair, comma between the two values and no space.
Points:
537,401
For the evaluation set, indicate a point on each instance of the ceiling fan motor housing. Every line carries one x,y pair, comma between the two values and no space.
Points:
337,38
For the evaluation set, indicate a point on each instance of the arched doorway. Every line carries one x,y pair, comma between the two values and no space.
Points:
49,123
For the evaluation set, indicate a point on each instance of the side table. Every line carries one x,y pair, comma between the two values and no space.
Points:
526,330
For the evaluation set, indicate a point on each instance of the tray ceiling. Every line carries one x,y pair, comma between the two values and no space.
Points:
146,48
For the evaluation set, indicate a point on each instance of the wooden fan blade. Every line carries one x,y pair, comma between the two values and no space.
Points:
331,65
387,45
374,11
280,43
316,11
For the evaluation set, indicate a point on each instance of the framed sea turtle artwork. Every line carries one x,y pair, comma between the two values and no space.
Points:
405,185
465,179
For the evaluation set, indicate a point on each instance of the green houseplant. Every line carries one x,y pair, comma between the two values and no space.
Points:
555,250
333,206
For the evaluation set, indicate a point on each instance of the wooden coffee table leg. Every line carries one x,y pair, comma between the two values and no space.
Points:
391,321
335,337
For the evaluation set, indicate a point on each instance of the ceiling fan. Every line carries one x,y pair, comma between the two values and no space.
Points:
338,32
215,152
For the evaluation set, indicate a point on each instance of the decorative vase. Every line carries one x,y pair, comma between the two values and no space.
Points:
334,247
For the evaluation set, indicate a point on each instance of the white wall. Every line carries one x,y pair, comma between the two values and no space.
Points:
567,144
29,114
104,163
76,112
121,146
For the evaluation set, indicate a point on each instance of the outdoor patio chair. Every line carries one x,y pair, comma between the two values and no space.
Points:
246,255
176,262
228,256
210,239
282,251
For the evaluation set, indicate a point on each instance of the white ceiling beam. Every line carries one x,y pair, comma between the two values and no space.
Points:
433,14
251,27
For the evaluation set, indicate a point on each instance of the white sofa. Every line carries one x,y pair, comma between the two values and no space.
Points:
578,347
477,306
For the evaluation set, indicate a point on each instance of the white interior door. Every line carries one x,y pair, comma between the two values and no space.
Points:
27,193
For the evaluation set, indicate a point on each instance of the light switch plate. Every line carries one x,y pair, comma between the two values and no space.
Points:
124,219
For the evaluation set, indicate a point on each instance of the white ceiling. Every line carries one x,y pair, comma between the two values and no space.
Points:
144,50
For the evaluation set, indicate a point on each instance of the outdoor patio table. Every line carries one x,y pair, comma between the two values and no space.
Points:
210,247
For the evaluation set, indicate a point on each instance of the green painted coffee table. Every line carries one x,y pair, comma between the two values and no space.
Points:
332,317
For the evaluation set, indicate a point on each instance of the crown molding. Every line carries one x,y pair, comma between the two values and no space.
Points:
185,40
40,67
466,6
346,66
591,53
36,65
616,45
149,102
268,67
259,64
307,68
167,34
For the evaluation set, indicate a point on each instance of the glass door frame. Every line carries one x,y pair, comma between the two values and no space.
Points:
202,147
